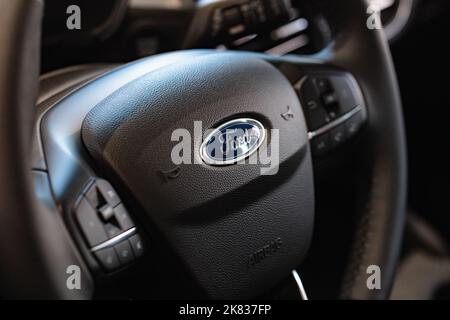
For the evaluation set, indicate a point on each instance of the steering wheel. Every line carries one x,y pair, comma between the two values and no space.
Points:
89,182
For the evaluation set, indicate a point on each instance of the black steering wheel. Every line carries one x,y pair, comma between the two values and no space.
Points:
94,185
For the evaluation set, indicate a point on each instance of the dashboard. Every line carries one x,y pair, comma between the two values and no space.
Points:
123,30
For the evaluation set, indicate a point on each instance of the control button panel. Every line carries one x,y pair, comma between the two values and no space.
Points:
334,109
107,226
248,16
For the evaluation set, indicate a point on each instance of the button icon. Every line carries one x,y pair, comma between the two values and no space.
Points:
108,259
312,105
320,145
338,135
137,245
124,251
288,115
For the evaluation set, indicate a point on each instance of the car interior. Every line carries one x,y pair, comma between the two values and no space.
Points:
224,150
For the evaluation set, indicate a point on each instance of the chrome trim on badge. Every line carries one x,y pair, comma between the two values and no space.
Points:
232,142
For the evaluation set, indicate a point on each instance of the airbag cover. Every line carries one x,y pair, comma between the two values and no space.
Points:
237,231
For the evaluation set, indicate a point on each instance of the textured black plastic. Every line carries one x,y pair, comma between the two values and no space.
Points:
215,218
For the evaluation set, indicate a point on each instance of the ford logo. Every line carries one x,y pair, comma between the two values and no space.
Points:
232,141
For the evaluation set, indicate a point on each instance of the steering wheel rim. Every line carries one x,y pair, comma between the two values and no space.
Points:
378,239
380,230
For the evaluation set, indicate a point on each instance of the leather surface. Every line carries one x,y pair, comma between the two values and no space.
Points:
35,248
378,237
52,83
21,271
54,86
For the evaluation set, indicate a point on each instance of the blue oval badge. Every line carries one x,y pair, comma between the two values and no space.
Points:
232,142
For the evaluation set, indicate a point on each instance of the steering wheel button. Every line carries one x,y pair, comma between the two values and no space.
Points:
94,197
315,114
338,136
308,92
354,124
345,93
317,118
124,252
108,192
122,217
323,85
112,230
106,212
108,259
329,100
137,245
90,223
320,145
